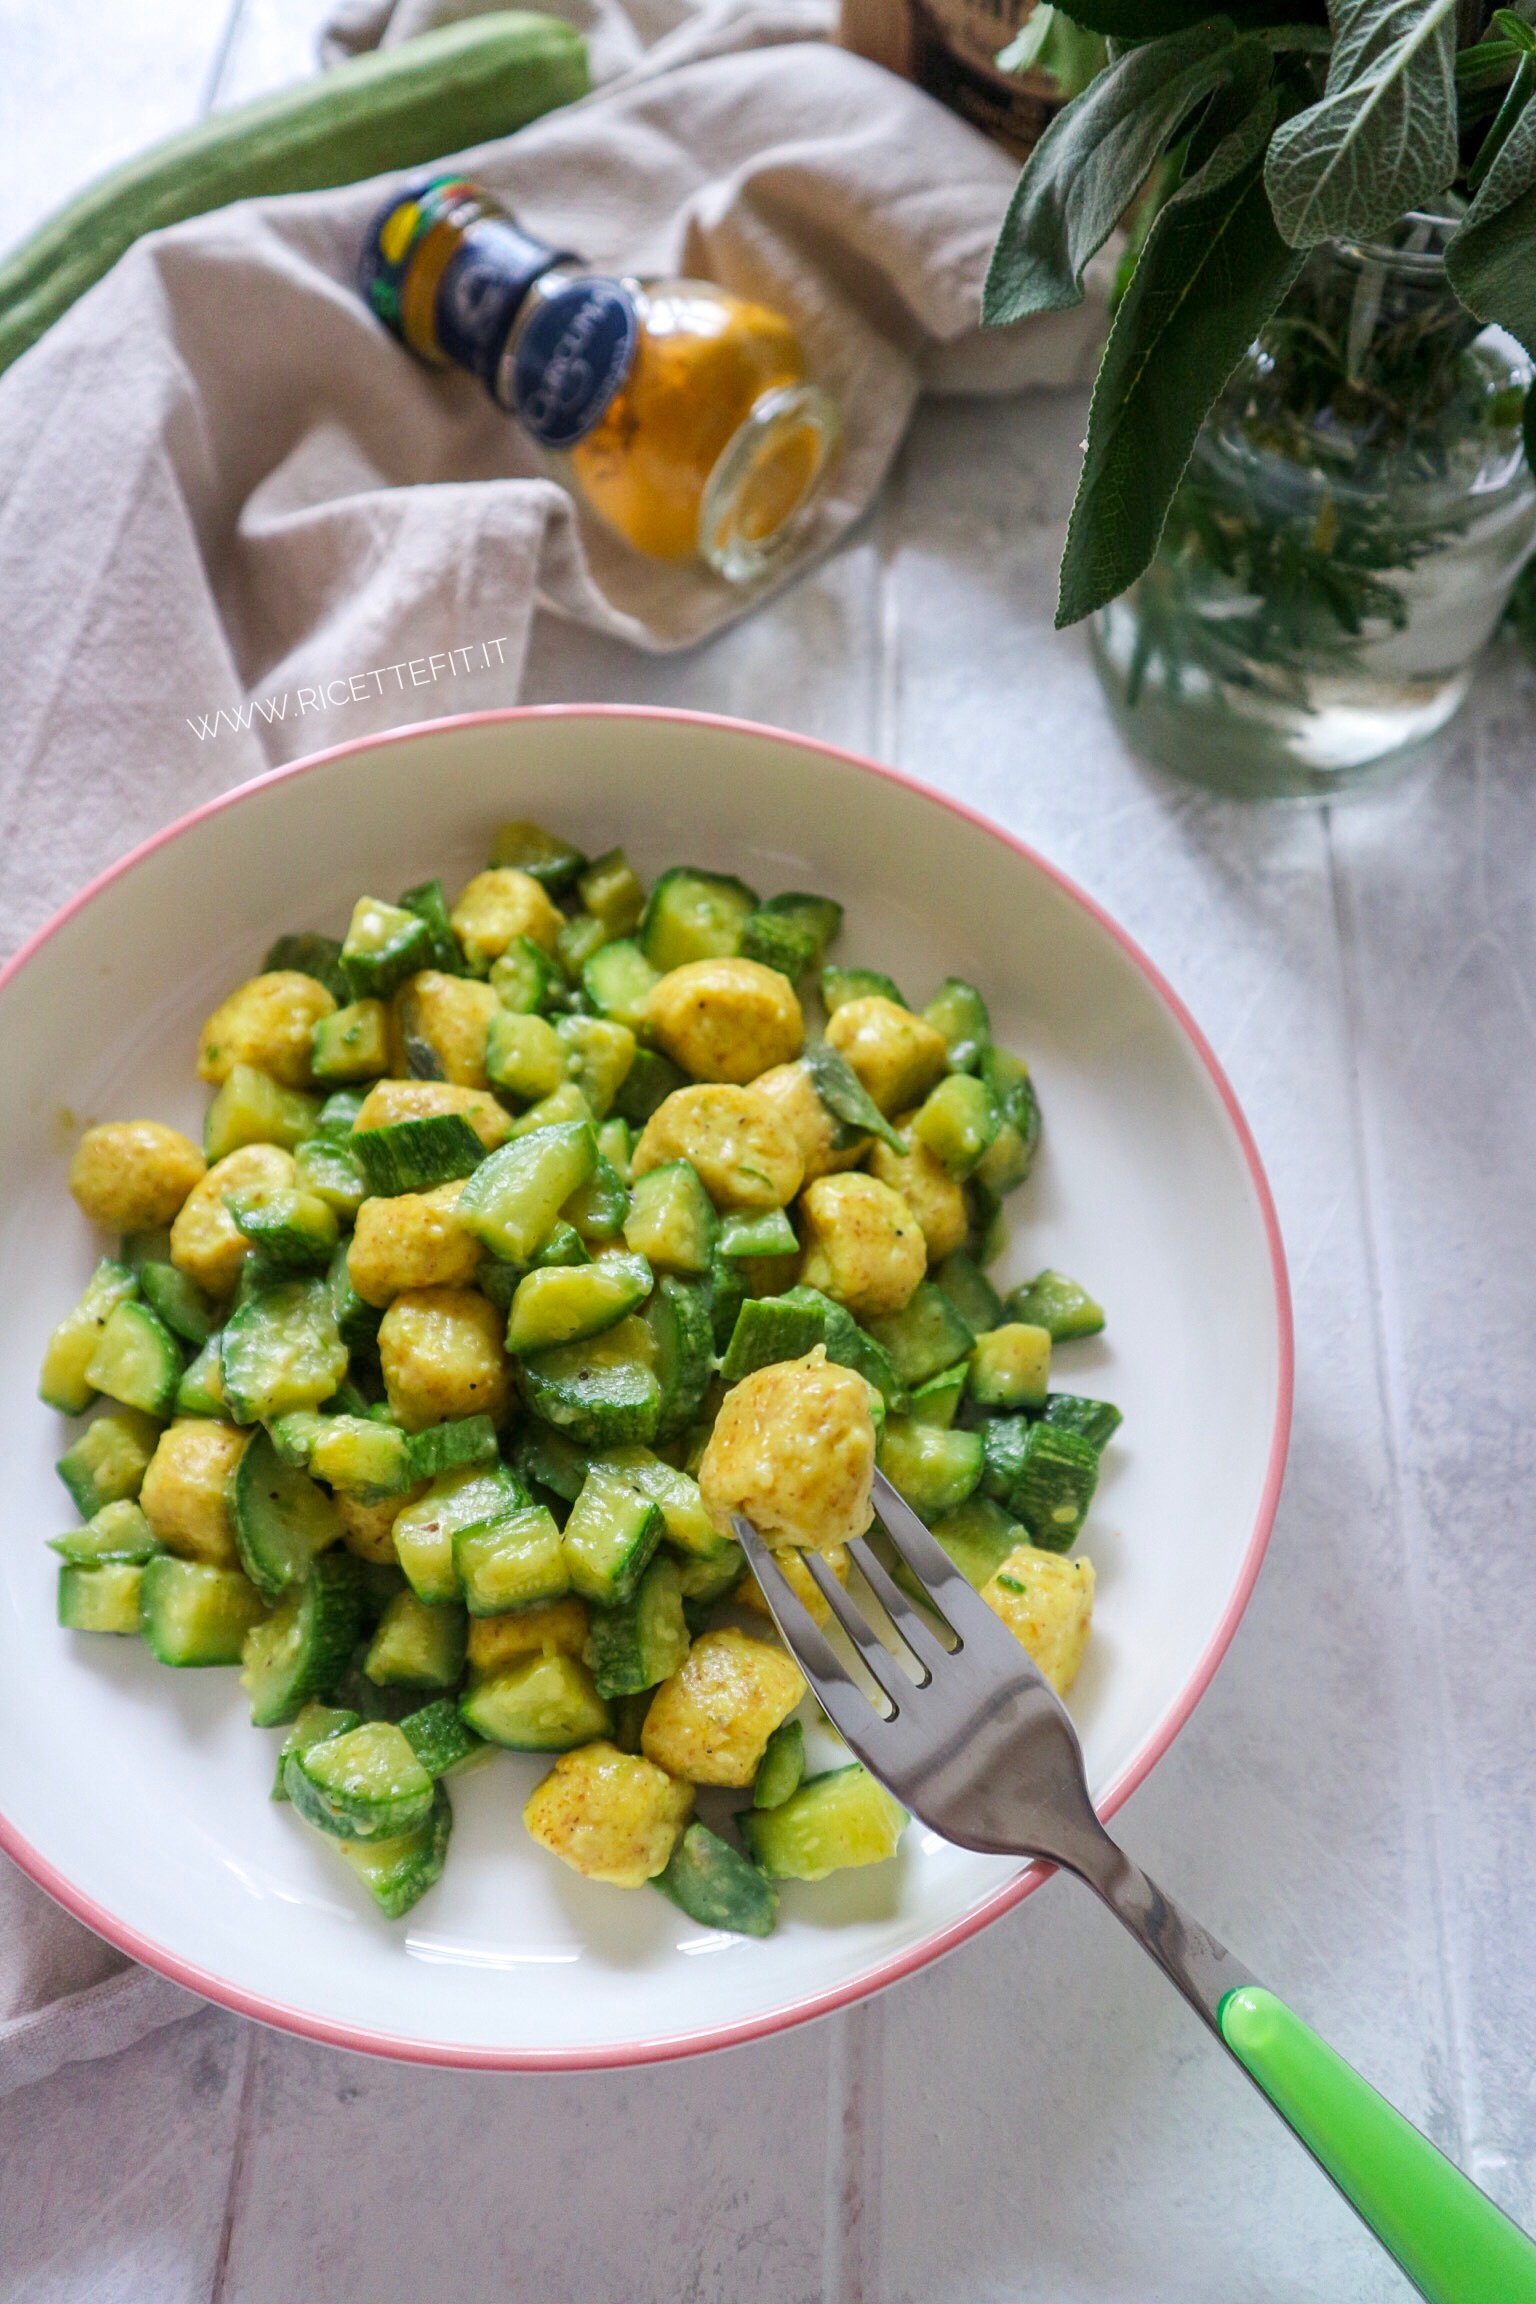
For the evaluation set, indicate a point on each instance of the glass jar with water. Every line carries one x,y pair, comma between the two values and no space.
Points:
1355,514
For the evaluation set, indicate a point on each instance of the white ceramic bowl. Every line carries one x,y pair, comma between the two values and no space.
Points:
138,1797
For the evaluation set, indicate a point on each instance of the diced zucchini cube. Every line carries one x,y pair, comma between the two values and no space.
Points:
302,1647
601,1392
821,917
775,941
512,1562
925,1336
761,1232
651,1079
330,1172
281,1349
196,1615
970,1291
439,1737
418,1645
525,977
429,904
253,1108
609,1538
397,1873
118,1531
694,915
561,1304
445,1447
296,1231
309,955
63,1382
619,980
362,1457
547,1459
687,1524
424,1531
936,1401
524,1055
598,1209
1057,1304
181,1304
611,887
282,1518
543,1703
958,1121
958,1010
1057,1478
553,862
136,1360
977,1535
294,1435
384,944
352,1043
840,985
678,1317
1004,1165
313,1725
639,1643
104,1598
714,1884
599,1053
782,1766
514,1198
671,1220
835,1821
417,1155
1011,1366
201,1390
580,936
366,1784
1097,1421
109,1460
932,1469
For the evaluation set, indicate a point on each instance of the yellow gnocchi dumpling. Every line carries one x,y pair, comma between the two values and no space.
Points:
933,1195
820,1138
133,1175
369,1529
390,1100
710,1721
411,1240
742,1150
898,1056
185,1492
863,1245
793,1450
450,1015
726,1019
206,1242
1046,1601
442,1354
549,1628
609,1814
499,906
267,1023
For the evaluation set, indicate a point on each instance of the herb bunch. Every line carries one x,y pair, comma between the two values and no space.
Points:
1264,133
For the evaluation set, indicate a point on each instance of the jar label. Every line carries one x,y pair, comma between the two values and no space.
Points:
572,355
482,289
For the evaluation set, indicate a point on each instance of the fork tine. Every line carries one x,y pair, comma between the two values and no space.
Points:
953,1594
878,1661
846,1704
918,1635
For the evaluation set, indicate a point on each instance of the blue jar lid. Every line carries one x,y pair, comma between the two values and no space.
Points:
573,354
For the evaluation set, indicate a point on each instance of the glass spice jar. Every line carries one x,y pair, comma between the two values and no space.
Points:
681,414
1353,519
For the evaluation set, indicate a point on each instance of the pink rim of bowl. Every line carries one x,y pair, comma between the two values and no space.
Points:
943,1940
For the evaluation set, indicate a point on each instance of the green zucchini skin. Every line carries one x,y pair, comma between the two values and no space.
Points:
706,1878
443,92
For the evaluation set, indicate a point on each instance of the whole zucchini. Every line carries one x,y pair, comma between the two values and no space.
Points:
396,108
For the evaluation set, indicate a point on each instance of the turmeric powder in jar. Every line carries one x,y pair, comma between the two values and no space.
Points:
680,413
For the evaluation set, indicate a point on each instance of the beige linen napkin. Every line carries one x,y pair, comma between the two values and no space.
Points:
239,523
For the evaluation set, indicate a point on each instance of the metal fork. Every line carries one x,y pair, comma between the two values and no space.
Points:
977,1745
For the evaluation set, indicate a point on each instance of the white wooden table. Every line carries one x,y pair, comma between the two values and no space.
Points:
1352,1807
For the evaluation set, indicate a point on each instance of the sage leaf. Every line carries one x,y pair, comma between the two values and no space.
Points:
1212,272
1092,161
845,1095
1488,260
1382,139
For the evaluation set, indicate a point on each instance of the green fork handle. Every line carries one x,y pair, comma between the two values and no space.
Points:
1453,2243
